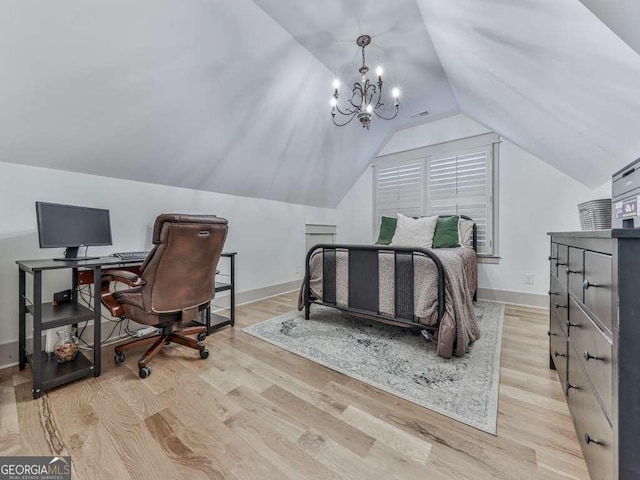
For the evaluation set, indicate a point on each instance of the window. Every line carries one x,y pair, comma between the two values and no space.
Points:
449,179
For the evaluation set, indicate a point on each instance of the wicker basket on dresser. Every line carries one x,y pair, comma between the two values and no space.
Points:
594,344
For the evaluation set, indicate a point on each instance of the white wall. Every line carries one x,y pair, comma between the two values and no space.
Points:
354,214
269,236
534,198
432,133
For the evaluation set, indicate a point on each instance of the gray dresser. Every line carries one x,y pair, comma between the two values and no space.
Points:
594,344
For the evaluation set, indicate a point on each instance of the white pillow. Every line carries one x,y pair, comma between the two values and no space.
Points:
465,232
414,232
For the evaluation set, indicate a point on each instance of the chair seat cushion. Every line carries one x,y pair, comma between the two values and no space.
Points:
131,296
131,300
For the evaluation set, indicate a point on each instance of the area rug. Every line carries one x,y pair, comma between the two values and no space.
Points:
400,361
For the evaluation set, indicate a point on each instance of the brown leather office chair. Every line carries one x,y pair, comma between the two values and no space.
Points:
176,281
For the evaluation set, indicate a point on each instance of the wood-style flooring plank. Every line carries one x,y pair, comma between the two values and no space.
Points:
253,411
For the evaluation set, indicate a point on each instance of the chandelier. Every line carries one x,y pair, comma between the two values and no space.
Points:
366,97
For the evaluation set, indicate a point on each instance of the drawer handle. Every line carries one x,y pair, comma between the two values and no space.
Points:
589,439
569,324
588,356
569,271
558,264
558,354
586,285
569,386
551,293
552,258
557,305
549,333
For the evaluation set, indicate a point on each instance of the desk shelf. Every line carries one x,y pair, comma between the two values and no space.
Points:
55,374
222,287
53,316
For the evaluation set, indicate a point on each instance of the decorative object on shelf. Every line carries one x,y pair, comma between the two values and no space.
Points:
596,214
66,347
366,97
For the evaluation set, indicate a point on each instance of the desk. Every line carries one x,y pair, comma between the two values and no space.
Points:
47,372
212,321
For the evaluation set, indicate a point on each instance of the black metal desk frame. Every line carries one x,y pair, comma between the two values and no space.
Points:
222,321
47,372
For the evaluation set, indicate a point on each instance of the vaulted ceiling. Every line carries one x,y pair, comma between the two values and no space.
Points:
233,97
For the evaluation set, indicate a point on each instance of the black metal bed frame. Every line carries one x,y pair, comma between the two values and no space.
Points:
364,279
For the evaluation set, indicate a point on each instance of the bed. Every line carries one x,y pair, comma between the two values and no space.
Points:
427,289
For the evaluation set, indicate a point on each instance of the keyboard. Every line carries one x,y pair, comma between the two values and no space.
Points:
130,255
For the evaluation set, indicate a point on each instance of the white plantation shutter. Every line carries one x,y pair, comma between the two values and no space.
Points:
459,183
452,178
399,188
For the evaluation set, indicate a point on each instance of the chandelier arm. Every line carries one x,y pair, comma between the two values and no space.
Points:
369,96
386,118
357,107
348,111
345,123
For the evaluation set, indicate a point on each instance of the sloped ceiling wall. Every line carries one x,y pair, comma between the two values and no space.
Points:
547,75
204,94
621,16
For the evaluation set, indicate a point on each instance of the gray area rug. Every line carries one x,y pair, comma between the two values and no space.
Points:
400,361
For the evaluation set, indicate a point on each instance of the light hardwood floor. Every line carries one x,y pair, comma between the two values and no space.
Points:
255,411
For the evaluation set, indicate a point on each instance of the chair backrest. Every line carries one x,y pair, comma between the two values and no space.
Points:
180,270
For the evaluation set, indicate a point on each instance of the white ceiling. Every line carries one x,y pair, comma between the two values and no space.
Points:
233,96
621,16
547,75
400,44
203,94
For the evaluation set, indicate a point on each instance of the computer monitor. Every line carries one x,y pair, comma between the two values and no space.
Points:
71,227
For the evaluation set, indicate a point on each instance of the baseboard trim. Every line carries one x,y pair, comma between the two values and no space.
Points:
249,296
515,298
9,350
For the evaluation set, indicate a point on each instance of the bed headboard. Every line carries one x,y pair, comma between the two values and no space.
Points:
474,237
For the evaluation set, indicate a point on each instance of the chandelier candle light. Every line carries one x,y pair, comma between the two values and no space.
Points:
366,97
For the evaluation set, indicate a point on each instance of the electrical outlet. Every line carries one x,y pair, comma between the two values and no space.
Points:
528,278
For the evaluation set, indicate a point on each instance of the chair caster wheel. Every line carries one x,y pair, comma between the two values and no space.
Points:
118,358
144,372
204,354
201,336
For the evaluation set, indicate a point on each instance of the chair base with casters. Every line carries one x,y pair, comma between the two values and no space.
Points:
168,335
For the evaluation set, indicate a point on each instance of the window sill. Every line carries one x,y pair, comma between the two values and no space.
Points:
490,259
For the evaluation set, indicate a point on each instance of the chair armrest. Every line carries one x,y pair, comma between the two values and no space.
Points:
122,276
111,303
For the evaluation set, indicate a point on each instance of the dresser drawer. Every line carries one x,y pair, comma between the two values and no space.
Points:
553,266
597,286
558,348
558,305
594,431
575,272
595,352
562,263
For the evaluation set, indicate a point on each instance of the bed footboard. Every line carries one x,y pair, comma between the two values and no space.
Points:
363,283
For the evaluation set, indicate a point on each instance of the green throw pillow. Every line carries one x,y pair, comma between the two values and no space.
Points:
387,229
446,235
